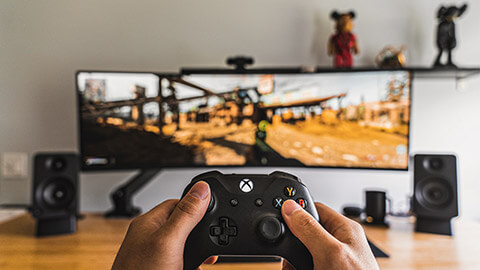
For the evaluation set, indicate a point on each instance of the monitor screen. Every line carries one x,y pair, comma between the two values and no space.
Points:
149,120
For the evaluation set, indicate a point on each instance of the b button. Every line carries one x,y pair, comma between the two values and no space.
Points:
289,191
302,202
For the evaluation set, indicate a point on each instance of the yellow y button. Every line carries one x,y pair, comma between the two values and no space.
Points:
289,191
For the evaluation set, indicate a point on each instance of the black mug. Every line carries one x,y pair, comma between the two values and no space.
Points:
375,207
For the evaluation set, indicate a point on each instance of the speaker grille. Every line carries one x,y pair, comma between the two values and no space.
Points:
435,186
55,185
57,193
433,193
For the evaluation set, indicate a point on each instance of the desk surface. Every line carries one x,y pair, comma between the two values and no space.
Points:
95,244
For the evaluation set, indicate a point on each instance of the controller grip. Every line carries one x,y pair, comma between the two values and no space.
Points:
192,259
300,261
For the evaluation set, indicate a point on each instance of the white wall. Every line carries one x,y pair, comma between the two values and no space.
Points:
43,43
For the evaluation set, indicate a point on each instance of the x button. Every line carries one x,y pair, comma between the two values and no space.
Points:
277,202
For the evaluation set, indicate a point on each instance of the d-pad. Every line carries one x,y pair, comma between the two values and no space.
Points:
223,231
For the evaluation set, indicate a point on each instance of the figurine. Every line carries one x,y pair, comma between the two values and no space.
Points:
391,57
446,32
343,43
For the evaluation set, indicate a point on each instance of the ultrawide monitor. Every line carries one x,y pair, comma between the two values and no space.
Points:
344,119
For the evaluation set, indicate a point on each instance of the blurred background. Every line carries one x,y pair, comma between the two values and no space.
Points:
43,44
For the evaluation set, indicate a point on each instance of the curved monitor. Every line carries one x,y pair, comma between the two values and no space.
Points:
346,119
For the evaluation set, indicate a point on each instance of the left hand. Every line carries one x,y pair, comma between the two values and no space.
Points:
156,240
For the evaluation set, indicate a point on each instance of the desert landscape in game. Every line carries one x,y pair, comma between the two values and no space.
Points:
251,126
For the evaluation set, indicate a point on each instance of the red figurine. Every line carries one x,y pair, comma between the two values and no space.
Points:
343,43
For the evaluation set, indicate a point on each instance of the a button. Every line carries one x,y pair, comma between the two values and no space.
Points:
302,202
223,231
277,202
233,202
270,229
289,191
259,202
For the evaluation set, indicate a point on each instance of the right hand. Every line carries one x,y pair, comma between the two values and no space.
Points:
339,244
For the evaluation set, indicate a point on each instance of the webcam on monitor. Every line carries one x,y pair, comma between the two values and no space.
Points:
240,62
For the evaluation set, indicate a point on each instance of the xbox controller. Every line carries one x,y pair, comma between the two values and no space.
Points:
244,218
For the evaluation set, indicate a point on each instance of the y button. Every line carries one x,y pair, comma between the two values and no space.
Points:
289,191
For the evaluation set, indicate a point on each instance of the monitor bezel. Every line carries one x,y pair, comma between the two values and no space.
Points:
200,71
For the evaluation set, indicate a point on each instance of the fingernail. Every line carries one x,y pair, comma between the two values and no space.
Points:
290,206
200,190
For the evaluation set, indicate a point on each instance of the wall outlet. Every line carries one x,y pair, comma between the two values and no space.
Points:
14,165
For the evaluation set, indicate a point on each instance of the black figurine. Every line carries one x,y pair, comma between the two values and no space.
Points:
446,32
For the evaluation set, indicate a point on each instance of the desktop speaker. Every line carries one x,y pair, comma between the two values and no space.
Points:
54,196
435,199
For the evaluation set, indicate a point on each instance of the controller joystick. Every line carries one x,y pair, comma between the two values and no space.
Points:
240,222
271,229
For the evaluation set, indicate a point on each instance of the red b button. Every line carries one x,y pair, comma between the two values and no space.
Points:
302,202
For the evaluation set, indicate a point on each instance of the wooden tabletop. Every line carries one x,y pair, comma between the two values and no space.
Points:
97,240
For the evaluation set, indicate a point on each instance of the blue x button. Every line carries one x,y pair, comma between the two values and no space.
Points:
277,202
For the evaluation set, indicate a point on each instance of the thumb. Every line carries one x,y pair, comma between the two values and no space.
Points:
189,210
306,228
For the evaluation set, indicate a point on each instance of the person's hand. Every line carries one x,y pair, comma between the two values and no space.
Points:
339,244
156,240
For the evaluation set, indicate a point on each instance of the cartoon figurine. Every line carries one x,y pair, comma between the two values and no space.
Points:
446,32
343,43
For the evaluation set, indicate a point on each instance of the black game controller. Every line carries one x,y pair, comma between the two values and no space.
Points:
244,218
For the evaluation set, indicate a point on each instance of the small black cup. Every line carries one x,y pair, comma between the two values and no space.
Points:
375,207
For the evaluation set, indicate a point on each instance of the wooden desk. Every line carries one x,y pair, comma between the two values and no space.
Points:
95,244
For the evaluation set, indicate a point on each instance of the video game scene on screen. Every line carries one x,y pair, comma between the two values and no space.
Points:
358,119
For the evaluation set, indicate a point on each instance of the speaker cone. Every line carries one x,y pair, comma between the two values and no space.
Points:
433,193
433,164
56,193
56,164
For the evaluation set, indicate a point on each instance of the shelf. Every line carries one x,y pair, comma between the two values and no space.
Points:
419,72
443,72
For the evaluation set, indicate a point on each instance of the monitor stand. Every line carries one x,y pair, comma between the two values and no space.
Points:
122,196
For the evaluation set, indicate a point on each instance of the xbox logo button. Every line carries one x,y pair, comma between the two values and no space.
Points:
246,185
